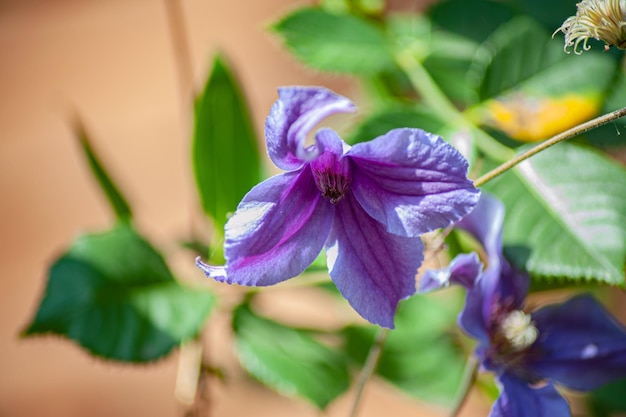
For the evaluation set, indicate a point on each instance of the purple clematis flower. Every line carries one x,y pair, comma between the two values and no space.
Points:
367,205
577,344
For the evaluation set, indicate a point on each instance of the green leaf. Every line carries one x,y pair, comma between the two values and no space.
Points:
394,117
335,42
521,56
287,360
422,355
566,215
611,134
114,295
225,153
550,14
116,200
473,19
608,400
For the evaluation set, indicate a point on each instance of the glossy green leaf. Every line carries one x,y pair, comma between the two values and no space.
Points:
422,355
112,192
521,56
566,215
225,153
335,42
114,295
287,360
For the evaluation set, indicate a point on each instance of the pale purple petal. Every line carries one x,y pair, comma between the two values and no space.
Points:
277,231
463,270
518,399
580,344
291,119
412,181
372,269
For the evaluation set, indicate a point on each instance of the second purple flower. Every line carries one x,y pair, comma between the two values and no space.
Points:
367,205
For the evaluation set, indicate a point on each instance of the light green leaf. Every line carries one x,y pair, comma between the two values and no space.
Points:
114,295
287,360
225,153
566,215
335,42
112,192
422,355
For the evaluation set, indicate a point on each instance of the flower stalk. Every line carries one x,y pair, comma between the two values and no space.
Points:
561,137
368,370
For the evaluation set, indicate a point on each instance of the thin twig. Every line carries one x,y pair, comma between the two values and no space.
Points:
561,137
469,376
368,369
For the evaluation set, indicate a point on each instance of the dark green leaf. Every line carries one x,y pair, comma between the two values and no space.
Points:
114,295
289,360
551,14
393,117
116,200
225,156
422,355
335,42
566,215
608,400
612,134
473,19
521,56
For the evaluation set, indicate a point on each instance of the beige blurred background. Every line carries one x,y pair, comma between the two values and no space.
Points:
113,61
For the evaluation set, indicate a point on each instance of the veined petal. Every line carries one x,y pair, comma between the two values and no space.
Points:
463,270
412,181
580,344
277,231
518,399
291,119
372,268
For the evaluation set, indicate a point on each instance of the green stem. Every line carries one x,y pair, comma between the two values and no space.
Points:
469,377
368,370
439,102
561,137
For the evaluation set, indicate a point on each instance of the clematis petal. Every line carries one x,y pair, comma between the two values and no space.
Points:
518,399
412,181
500,283
472,319
277,231
463,270
580,344
291,119
372,268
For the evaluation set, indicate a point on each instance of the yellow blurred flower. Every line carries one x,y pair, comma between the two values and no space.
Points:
599,19
532,119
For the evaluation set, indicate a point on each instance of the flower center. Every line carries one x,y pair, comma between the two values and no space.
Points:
332,185
518,330
332,176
